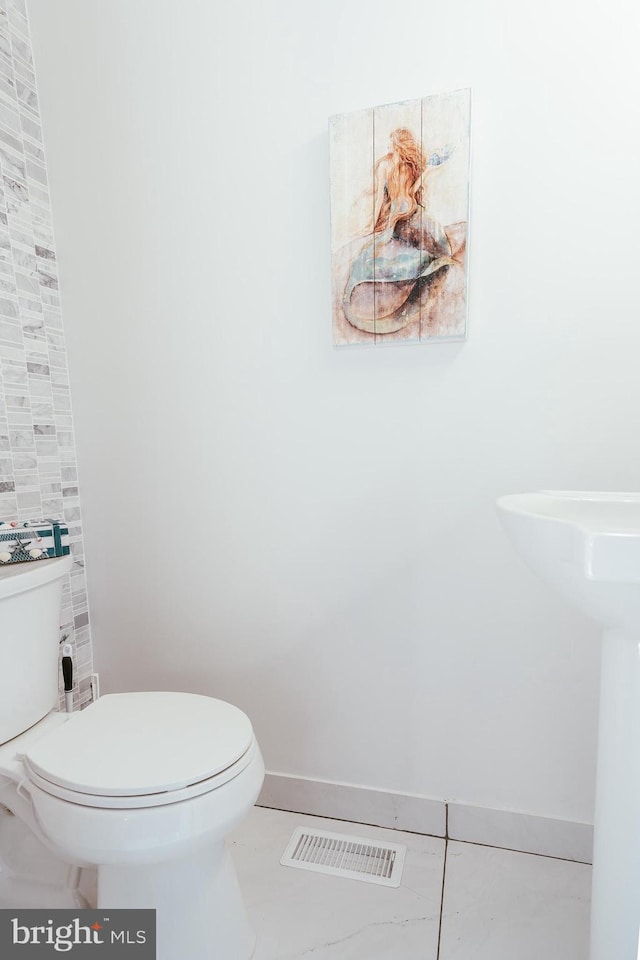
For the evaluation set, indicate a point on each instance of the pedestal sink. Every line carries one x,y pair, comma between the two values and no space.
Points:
587,546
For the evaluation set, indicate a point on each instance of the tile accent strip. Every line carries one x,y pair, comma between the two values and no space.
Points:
38,472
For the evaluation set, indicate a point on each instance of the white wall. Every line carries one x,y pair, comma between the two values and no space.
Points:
332,561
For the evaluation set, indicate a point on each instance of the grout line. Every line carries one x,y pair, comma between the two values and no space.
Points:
444,874
525,853
363,823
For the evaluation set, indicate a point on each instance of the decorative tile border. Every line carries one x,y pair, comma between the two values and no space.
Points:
38,473
563,839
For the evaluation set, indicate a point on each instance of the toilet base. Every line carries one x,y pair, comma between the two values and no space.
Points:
199,909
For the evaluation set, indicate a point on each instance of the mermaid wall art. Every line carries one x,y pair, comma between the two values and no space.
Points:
399,214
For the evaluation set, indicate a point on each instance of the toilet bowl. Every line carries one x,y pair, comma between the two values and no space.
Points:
144,788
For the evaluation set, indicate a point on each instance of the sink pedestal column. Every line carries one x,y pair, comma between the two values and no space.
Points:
615,905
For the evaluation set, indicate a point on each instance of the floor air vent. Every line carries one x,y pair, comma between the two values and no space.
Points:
342,856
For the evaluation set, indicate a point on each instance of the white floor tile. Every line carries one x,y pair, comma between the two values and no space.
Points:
297,914
501,905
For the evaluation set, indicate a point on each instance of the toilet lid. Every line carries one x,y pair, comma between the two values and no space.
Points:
131,744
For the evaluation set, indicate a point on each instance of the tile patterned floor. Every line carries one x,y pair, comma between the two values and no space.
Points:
495,904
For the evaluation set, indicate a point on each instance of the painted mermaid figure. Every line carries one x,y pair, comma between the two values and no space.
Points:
404,247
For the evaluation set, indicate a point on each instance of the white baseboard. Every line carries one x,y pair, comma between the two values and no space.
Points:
564,839
524,832
342,801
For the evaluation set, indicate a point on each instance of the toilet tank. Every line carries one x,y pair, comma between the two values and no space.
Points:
30,597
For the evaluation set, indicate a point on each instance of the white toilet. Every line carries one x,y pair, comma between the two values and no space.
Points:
142,787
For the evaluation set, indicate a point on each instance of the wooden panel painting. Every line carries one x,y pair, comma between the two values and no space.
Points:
399,215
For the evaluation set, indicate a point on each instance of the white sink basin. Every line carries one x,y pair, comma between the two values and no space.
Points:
587,546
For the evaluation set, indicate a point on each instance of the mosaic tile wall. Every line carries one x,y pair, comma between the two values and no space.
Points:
38,473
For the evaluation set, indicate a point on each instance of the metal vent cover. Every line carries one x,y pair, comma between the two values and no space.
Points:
356,858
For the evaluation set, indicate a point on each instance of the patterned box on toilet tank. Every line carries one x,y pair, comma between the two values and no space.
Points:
22,541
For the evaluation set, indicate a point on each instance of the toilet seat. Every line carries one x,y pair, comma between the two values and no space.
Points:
142,749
